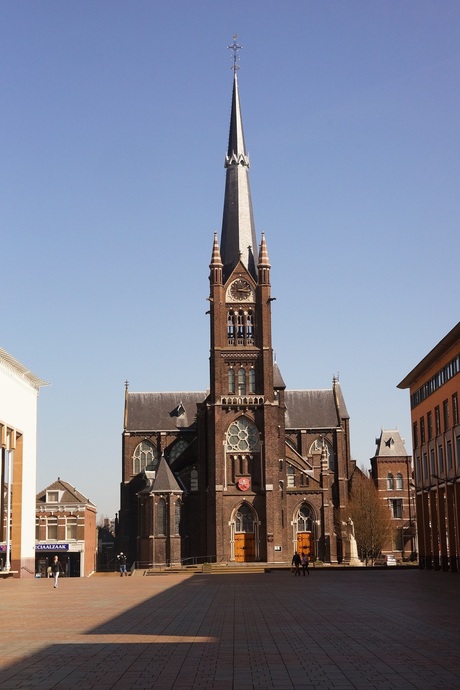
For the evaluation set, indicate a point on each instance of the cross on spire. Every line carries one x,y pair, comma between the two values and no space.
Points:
235,47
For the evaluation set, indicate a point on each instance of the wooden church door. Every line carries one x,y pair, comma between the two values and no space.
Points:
244,535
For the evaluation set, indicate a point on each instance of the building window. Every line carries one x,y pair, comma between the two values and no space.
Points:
242,435
455,409
177,449
418,468
244,519
415,434
399,482
429,423
249,327
390,482
425,466
71,528
304,521
252,380
441,459
241,381
450,462
194,480
318,446
52,496
52,529
145,457
231,380
161,517
437,420
432,463
37,529
422,430
231,327
445,407
396,508
457,450
441,377
177,514
290,476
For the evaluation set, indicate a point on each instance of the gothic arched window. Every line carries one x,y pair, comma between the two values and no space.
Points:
399,481
145,457
252,380
230,326
305,519
390,482
317,447
241,381
242,436
231,380
244,519
177,449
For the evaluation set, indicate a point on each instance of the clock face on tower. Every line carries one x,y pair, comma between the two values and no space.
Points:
240,291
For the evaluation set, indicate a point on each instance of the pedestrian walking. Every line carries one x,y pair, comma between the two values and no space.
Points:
56,570
122,561
304,561
296,563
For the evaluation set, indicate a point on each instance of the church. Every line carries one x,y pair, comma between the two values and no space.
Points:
246,470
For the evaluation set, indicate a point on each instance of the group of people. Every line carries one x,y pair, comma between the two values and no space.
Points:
300,561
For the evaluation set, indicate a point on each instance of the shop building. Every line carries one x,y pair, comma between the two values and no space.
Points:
65,526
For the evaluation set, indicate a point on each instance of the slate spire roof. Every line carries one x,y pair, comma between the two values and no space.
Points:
238,239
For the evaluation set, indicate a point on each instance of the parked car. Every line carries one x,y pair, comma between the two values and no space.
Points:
387,559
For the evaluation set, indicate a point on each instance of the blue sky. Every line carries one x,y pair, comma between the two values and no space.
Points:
113,131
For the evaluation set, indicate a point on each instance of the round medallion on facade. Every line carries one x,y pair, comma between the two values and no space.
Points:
243,484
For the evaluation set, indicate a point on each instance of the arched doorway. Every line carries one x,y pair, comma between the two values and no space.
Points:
304,523
244,540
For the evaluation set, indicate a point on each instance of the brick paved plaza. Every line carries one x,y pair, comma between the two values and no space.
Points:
335,629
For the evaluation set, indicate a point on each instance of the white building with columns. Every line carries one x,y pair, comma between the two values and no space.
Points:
19,389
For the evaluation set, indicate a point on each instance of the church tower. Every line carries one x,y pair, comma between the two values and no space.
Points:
259,471
244,411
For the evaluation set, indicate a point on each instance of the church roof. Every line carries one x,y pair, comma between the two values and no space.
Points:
305,409
162,411
164,478
314,409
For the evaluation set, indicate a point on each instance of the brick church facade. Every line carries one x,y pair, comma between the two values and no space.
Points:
246,470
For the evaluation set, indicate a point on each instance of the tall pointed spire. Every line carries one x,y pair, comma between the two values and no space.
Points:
238,239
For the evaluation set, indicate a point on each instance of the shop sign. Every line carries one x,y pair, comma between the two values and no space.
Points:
51,547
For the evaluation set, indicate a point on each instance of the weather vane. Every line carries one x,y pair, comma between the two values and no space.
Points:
235,47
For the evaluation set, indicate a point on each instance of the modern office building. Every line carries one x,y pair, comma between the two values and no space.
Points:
19,389
434,386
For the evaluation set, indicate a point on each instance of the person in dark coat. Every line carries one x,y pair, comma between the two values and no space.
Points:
296,563
56,570
122,561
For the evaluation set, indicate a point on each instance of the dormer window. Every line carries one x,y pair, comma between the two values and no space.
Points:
52,496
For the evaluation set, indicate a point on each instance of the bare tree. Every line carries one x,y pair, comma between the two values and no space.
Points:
371,518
